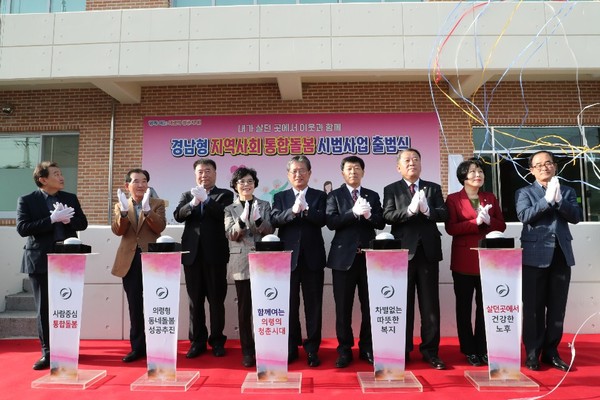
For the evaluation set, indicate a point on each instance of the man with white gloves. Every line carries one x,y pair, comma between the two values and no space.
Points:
354,213
545,208
202,209
138,220
45,217
412,207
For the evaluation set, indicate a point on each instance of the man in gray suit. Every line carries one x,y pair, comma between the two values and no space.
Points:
353,212
545,208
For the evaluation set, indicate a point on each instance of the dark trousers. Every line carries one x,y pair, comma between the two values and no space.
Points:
244,308
39,283
344,286
545,292
472,341
205,281
134,289
423,277
311,282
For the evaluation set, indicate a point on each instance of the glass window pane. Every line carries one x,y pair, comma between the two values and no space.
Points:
191,3
67,5
29,6
63,149
18,157
525,139
234,2
276,2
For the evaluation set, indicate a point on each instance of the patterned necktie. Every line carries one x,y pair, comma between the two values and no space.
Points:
412,189
355,195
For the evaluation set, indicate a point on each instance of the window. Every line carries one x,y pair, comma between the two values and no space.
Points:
40,6
506,150
19,154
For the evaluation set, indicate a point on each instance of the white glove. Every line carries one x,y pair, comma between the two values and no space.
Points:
479,218
255,215
423,206
199,194
357,208
485,214
558,195
413,207
550,192
61,214
297,207
304,204
122,200
146,201
244,215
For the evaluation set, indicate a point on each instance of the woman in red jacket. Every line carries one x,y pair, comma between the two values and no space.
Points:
472,214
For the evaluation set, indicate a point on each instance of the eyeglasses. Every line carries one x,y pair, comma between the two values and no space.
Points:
547,164
301,171
243,182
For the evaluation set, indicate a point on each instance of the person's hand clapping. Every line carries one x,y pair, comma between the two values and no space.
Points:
246,213
123,203
199,195
423,206
550,192
61,213
557,194
413,207
255,214
146,201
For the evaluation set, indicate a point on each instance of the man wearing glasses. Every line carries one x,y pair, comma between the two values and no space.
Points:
545,208
205,266
299,213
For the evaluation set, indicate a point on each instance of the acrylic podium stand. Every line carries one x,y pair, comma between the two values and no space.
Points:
501,285
387,268
66,269
161,274
270,285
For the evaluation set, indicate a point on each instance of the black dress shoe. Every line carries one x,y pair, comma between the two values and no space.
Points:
133,356
435,362
532,363
313,360
556,362
366,355
195,350
218,351
292,355
42,363
343,360
474,360
249,360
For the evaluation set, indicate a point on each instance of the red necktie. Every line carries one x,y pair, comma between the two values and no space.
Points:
412,189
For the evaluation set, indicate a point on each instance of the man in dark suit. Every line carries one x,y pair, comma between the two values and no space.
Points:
45,217
205,266
353,212
412,207
545,208
138,220
299,213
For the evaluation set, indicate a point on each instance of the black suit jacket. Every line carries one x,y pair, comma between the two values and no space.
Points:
351,233
412,230
301,233
33,222
204,227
